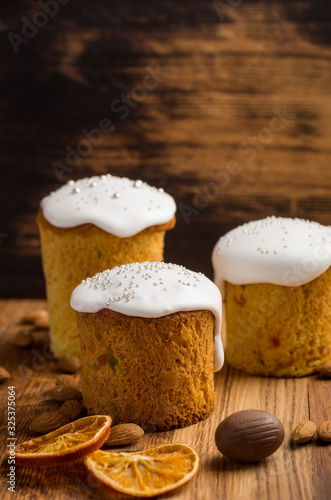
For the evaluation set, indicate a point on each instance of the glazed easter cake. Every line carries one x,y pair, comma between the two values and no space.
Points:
150,342
93,224
276,276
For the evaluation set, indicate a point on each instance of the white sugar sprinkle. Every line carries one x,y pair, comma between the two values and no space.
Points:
126,217
270,250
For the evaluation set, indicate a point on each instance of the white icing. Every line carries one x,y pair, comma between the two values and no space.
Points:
118,205
281,251
151,290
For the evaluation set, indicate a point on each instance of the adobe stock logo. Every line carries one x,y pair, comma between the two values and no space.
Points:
30,29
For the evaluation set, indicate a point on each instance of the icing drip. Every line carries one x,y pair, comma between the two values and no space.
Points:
281,251
151,290
117,205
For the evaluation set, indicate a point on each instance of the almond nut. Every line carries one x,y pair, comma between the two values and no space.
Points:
32,316
40,338
49,421
4,374
304,432
42,320
124,434
325,370
65,380
64,392
70,364
324,431
72,408
23,338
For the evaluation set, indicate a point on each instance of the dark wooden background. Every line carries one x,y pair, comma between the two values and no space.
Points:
229,67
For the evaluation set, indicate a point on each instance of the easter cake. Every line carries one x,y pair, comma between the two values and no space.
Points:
150,342
276,278
90,225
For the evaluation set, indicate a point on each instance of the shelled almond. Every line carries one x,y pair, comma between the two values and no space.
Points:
304,432
64,392
65,379
23,338
324,431
72,408
69,364
124,434
40,338
36,316
48,421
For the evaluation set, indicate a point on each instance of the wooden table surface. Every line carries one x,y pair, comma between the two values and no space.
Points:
292,473
230,68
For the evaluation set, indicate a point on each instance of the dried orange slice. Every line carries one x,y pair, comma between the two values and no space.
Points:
145,473
68,443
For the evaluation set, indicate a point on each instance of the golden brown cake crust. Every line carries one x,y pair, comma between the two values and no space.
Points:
279,330
155,372
73,254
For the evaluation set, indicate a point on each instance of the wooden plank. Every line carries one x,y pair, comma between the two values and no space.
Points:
291,473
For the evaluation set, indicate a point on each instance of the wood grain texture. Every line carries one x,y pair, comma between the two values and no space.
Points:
292,472
226,77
